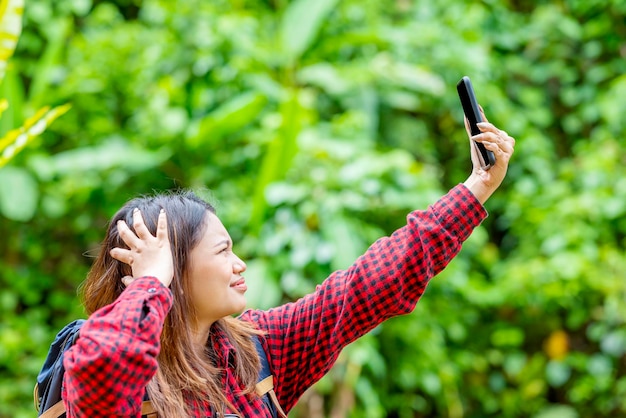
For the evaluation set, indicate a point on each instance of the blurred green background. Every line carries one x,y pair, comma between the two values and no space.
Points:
315,126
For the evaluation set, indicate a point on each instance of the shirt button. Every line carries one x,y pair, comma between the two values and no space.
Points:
151,290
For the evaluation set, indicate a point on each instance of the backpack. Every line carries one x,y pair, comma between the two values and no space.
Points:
47,393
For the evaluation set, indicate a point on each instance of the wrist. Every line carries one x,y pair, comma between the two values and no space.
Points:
479,189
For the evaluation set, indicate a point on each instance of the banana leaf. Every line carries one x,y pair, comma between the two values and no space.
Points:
10,29
14,141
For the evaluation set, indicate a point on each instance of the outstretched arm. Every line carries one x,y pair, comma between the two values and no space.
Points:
386,281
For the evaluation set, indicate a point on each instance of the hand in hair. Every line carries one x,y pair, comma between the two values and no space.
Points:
147,255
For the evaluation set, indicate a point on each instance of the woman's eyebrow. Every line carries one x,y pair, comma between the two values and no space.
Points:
222,242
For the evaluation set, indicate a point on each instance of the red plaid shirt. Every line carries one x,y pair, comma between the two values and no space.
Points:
115,357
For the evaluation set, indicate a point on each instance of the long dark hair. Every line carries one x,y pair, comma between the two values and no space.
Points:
180,367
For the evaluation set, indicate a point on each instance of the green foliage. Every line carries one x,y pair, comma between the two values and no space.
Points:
315,126
17,206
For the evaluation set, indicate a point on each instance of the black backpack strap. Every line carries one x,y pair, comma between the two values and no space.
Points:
265,385
50,378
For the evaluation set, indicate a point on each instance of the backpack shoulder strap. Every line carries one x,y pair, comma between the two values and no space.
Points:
58,410
50,379
55,411
265,385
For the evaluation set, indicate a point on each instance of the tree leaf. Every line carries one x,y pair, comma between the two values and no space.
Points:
279,156
301,23
229,117
110,153
4,105
18,194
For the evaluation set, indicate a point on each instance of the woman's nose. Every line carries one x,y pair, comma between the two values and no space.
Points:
239,266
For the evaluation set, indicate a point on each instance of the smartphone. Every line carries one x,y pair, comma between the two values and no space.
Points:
472,112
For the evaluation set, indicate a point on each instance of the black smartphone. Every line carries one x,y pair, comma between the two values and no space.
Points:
472,112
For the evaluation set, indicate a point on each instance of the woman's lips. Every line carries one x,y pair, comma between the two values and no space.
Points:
240,284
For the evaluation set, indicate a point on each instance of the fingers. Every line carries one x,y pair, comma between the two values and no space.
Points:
123,255
137,242
133,239
140,227
482,112
128,236
161,232
482,183
467,124
494,139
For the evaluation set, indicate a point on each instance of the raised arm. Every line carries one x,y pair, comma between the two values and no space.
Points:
386,281
115,356
306,337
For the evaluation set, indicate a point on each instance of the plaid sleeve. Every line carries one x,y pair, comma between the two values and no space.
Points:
114,358
305,337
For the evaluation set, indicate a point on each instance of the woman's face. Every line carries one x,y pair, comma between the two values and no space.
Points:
217,287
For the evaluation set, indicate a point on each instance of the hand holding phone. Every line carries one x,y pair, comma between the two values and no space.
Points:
472,113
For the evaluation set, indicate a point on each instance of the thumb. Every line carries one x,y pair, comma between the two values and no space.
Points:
127,280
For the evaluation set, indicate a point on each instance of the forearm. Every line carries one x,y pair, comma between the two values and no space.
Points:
386,281
114,358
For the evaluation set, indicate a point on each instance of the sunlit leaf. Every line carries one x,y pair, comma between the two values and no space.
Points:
325,76
14,141
507,337
412,77
557,411
301,23
4,105
10,29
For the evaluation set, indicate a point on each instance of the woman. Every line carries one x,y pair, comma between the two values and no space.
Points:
161,296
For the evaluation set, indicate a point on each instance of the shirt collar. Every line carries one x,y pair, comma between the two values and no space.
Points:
223,348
